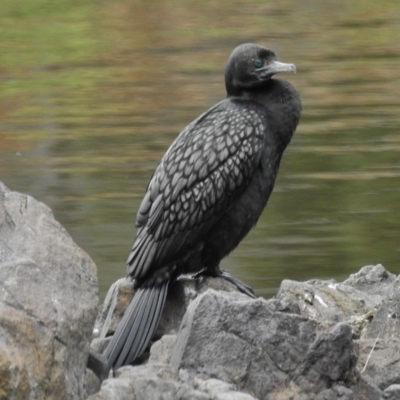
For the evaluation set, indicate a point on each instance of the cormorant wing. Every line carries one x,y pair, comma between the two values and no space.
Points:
205,170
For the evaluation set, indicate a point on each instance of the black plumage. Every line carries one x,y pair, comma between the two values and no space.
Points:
208,191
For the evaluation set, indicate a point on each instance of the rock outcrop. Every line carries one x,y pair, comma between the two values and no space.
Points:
315,340
48,303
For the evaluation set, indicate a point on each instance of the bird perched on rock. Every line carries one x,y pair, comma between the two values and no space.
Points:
208,191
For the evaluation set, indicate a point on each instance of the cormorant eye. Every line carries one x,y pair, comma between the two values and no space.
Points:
258,63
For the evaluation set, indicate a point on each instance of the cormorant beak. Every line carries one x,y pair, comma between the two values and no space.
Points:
273,68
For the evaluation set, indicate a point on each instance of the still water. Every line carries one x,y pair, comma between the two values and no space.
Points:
92,94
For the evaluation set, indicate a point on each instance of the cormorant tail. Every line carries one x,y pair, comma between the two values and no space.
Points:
137,326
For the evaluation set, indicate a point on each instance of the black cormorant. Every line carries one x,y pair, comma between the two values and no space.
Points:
208,191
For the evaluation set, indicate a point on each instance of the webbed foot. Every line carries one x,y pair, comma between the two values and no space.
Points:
218,272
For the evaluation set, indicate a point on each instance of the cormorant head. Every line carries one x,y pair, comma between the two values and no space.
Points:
250,66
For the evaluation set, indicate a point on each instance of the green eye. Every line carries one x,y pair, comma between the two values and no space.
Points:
258,63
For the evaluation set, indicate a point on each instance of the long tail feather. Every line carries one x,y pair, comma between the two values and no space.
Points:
137,326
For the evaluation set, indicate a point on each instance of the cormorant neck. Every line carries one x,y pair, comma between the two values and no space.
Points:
245,91
271,91
280,100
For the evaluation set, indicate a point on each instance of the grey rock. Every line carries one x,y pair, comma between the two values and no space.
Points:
232,395
180,295
386,322
338,392
48,303
391,393
161,350
298,346
241,341
379,346
116,302
96,371
147,382
219,390
213,386
372,279
364,390
357,391
344,392
379,361
219,343
355,301
328,394
299,396
330,357
329,302
92,383
161,381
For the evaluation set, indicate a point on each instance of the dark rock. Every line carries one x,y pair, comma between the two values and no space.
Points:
358,391
97,363
364,390
48,302
330,359
336,393
92,383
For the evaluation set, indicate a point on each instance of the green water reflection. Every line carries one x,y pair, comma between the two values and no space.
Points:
92,94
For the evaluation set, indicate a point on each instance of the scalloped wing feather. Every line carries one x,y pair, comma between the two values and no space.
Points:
205,170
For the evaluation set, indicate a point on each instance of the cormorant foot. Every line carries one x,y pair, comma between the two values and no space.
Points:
246,289
230,278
